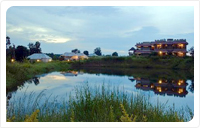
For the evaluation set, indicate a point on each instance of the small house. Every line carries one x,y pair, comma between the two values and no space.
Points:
39,57
72,56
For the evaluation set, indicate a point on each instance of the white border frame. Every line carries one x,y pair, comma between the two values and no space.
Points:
193,123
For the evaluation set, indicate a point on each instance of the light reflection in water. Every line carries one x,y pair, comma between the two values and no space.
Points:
163,86
61,84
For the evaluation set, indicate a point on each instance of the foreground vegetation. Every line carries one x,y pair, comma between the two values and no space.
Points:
17,73
98,104
165,62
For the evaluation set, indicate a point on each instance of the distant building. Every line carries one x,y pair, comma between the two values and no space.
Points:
163,47
72,56
39,57
131,51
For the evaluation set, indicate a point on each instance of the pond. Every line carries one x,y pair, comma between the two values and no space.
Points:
166,86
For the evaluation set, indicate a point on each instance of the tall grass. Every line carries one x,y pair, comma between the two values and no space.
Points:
99,105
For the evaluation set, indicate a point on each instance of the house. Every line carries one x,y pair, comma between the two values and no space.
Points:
73,56
81,56
39,57
131,51
163,47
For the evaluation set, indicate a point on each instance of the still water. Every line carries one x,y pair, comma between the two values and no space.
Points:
166,86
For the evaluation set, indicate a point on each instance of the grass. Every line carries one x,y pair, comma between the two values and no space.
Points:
168,62
98,104
17,73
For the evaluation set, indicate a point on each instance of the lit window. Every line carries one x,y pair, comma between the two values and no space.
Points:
159,46
180,54
160,81
160,52
159,89
180,45
181,90
181,81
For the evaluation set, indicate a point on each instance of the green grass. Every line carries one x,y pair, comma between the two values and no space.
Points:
167,62
18,73
98,104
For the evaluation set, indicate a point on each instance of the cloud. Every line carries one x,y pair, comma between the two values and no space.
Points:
88,27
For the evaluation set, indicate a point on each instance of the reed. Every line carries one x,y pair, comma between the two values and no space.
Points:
98,104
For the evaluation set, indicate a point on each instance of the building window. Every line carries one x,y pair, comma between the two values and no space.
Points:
180,45
160,53
180,54
159,46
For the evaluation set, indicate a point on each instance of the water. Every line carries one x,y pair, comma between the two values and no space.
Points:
166,86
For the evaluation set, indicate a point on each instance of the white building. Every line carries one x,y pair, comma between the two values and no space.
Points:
72,56
39,57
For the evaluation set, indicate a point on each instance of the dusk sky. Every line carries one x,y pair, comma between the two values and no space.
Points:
112,28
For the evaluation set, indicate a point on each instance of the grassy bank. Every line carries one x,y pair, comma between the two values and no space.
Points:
18,73
95,105
186,63
150,73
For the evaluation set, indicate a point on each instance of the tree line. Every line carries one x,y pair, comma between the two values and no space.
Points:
21,52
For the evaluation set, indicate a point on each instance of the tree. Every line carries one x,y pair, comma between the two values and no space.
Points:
191,51
7,41
21,52
75,51
10,50
86,53
114,54
97,51
34,48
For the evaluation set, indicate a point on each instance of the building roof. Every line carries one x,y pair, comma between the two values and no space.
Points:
132,49
39,56
80,54
68,54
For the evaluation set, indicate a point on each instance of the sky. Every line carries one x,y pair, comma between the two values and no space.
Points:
61,29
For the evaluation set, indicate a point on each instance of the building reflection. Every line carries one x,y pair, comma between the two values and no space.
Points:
163,86
72,73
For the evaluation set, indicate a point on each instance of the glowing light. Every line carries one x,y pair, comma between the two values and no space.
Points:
159,89
180,54
38,60
160,52
181,45
179,83
50,60
152,86
12,60
160,81
181,90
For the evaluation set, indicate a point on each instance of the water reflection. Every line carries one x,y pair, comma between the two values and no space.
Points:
173,85
169,87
